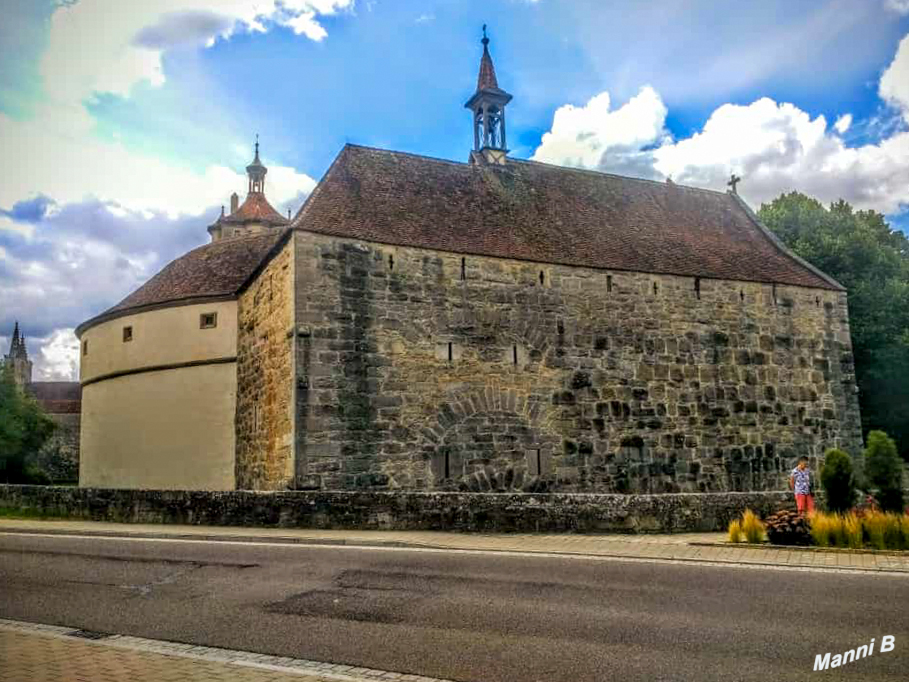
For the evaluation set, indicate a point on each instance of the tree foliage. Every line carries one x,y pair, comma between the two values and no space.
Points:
24,427
838,480
884,471
859,250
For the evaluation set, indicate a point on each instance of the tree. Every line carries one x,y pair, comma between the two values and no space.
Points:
859,250
884,471
24,427
838,480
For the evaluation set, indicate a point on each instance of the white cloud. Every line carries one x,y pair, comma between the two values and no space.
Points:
842,123
58,356
776,147
589,136
898,6
894,85
107,46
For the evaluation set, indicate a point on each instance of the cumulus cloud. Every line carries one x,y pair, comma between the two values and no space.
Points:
121,43
775,146
597,136
898,6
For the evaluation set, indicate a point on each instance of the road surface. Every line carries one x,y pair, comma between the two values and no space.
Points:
463,616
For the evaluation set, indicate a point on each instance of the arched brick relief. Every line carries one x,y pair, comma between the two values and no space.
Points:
493,439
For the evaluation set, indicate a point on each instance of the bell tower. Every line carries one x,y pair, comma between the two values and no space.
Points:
488,107
256,172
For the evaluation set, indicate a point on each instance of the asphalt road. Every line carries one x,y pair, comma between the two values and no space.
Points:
472,617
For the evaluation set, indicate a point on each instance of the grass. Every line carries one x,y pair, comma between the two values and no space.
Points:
27,513
822,529
735,531
752,527
854,532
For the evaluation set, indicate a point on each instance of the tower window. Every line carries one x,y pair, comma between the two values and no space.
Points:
697,287
391,262
463,268
542,278
514,354
85,347
208,320
742,295
127,334
656,288
774,294
608,282
450,352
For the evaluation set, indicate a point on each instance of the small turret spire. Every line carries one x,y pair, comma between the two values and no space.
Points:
488,106
256,172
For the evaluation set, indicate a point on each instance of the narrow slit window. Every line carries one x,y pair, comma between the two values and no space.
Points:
742,295
208,320
85,347
542,278
539,463
656,288
697,287
450,354
463,268
391,262
817,301
127,334
447,464
514,354
608,282
774,294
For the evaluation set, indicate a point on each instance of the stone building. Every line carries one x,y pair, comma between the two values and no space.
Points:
499,324
62,401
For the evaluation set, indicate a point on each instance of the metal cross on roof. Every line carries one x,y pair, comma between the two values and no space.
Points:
733,181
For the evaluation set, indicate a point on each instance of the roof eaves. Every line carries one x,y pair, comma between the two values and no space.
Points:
109,315
778,243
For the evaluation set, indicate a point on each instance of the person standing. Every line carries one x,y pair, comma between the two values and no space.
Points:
800,484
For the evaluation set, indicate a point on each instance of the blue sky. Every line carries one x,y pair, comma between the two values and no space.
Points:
125,126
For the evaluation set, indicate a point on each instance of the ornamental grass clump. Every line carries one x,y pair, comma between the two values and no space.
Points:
875,525
735,531
822,528
893,535
904,527
852,527
752,527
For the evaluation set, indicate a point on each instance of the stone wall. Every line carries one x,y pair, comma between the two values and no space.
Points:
399,510
426,370
265,374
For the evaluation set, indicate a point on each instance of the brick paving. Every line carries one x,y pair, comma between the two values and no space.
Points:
44,653
681,547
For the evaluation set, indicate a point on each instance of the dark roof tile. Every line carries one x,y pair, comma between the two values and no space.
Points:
539,212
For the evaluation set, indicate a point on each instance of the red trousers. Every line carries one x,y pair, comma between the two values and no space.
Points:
804,503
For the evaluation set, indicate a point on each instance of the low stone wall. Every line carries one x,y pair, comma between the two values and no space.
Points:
485,512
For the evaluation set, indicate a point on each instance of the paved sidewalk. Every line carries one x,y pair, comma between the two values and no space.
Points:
677,547
44,653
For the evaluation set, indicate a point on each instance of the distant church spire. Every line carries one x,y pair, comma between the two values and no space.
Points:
488,107
18,358
256,172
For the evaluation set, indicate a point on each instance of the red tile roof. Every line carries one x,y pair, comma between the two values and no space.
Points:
539,212
255,209
58,397
216,270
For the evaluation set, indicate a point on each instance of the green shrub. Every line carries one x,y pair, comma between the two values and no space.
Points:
735,531
884,469
838,480
752,527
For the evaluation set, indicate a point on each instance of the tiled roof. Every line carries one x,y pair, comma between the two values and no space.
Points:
487,78
218,269
58,397
255,209
539,212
